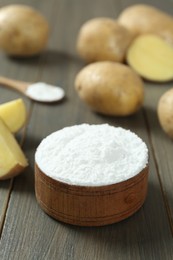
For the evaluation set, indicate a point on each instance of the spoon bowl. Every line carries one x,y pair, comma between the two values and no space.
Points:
40,91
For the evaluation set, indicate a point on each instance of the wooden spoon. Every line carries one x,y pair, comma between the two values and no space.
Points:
39,91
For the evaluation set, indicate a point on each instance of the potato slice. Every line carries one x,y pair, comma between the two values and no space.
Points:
14,115
12,159
151,57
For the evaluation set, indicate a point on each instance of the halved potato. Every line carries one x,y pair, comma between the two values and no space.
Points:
12,158
14,114
151,57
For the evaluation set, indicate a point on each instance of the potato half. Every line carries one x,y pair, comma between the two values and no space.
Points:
12,158
14,114
23,30
151,57
103,39
110,88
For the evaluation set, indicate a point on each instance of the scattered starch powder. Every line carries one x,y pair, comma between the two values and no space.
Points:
41,91
92,155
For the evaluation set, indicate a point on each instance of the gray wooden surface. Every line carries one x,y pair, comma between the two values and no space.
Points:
26,231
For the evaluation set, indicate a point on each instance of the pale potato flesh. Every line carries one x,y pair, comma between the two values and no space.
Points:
151,57
13,114
12,158
110,88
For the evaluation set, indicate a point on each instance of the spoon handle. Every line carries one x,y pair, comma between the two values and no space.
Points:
20,86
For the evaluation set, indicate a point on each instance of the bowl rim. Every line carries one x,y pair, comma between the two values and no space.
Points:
108,188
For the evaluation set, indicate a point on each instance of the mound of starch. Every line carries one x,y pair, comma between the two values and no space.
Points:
92,155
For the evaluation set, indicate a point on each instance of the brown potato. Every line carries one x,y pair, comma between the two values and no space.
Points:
23,31
165,112
141,18
110,88
103,39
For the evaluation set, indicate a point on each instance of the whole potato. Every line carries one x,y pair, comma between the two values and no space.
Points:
165,112
103,39
142,18
110,88
23,31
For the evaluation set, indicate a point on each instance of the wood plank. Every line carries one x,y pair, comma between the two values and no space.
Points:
21,69
161,144
28,232
137,237
5,191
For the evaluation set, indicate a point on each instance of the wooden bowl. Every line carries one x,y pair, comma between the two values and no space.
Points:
90,206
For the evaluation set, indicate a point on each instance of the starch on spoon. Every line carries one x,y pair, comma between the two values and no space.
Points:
43,92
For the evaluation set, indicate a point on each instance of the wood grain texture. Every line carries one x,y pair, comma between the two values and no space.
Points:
162,146
90,206
28,233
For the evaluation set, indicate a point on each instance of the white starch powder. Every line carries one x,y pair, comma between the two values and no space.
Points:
41,91
92,155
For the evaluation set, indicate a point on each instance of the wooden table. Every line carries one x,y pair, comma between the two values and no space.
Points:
26,231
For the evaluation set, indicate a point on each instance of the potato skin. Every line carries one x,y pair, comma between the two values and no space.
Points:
102,39
23,31
141,19
15,171
110,88
165,112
